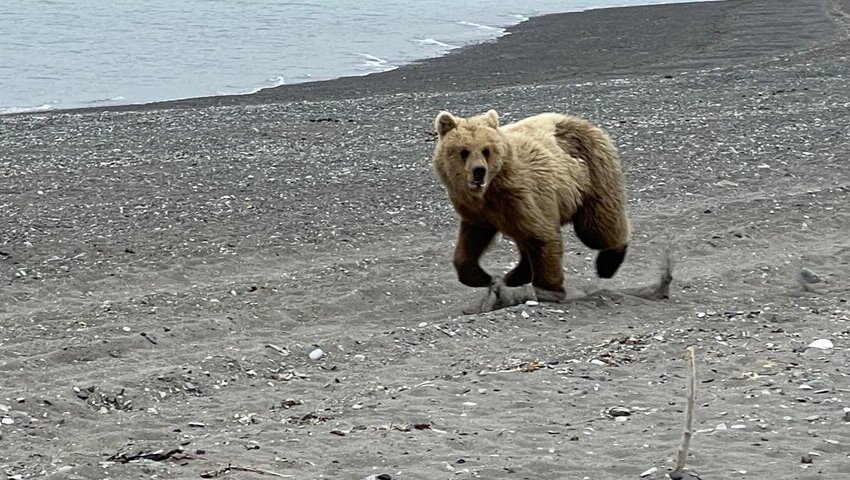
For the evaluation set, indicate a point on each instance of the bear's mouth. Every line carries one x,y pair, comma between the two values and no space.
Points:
476,185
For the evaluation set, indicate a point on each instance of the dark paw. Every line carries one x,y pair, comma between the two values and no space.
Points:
554,296
517,277
609,261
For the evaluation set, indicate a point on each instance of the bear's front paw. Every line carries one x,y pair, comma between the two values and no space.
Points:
549,295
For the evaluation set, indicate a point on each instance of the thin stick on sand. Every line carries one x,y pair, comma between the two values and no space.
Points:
229,468
682,457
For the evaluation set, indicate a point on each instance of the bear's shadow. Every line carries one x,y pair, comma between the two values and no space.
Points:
499,296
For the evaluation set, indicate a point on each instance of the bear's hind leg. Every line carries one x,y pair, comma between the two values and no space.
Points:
609,261
603,225
472,241
521,274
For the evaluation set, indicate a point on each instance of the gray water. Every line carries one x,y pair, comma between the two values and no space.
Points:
72,53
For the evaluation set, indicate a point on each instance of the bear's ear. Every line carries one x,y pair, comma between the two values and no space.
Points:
445,123
491,118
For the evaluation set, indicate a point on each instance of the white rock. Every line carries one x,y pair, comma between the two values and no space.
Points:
651,471
532,303
596,361
821,343
7,421
525,314
317,354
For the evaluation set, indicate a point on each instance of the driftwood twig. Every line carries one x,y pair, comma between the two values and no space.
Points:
229,468
682,456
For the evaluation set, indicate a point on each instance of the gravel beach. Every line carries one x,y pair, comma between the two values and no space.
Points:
265,281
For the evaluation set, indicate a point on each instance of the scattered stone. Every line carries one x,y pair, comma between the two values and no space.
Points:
847,416
822,344
651,471
359,357
316,354
7,421
290,402
197,424
806,458
619,412
809,276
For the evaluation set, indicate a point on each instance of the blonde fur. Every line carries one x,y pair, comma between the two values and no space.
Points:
539,173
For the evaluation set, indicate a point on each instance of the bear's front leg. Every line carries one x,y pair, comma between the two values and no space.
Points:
547,273
472,241
521,274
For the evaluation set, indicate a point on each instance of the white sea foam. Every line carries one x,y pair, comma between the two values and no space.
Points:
11,110
435,43
101,101
273,82
376,63
480,26
520,17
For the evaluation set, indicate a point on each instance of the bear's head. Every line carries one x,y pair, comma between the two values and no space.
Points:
469,152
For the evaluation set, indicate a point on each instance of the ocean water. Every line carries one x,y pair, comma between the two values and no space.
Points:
58,54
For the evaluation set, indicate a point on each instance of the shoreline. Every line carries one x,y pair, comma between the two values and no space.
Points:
687,36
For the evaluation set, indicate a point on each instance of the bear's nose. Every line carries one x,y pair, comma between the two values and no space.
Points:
478,173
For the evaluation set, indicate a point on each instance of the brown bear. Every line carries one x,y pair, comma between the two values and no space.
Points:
526,180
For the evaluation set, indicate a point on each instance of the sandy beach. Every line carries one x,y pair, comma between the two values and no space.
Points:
168,269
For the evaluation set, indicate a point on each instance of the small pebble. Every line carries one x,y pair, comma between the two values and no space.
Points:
197,424
619,412
651,471
316,354
7,421
809,276
822,344
806,458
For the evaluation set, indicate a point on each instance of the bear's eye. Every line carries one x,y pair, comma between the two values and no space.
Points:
464,154
486,153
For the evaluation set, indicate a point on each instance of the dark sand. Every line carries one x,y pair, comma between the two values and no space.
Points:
176,263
